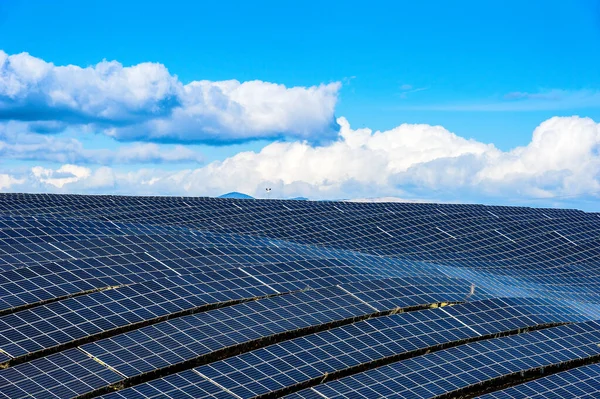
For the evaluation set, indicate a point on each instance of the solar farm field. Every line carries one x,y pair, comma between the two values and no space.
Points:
119,297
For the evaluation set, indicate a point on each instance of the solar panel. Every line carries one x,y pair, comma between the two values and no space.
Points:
201,297
39,283
189,337
76,318
62,375
582,382
185,385
440,217
458,368
34,330
318,356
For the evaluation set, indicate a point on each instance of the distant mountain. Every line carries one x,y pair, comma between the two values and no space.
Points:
236,195
299,199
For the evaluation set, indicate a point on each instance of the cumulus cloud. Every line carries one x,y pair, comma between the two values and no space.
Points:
230,111
409,161
32,89
145,102
563,156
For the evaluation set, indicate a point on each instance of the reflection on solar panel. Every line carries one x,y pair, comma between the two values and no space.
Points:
158,297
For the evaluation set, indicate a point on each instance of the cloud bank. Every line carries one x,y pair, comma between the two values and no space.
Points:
145,102
43,106
409,161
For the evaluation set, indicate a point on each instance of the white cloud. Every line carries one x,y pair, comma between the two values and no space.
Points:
232,111
7,181
17,142
66,174
145,102
105,92
72,178
101,178
410,161
145,153
563,156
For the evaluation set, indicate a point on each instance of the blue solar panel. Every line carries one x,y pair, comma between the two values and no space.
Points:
582,382
61,376
185,385
185,338
467,365
109,282
318,356
76,318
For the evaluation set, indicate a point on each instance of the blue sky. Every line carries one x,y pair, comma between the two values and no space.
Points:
487,71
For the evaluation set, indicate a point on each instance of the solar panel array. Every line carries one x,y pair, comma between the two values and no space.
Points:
169,297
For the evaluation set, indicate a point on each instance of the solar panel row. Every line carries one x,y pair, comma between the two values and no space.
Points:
577,383
456,368
101,293
317,356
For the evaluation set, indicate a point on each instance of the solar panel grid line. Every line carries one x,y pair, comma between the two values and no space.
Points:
412,215
355,343
466,325
465,367
505,254
80,321
531,262
168,267
27,278
258,280
421,256
567,227
558,242
217,384
581,382
348,292
63,375
123,376
453,226
289,313
120,232
23,223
